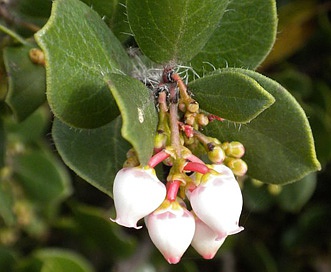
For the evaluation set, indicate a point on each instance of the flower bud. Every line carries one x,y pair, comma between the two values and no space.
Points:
238,166
202,119
192,106
137,192
234,149
274,189
217,201
171,228
216,155
204,240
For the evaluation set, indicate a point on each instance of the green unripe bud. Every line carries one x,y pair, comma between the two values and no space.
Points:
234,149
257,183
238,166
202,120
193,106
216,155
190,119
274,189
131,162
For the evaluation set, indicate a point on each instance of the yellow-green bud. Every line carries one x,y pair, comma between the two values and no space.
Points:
238,166
202,120
190,119
131,162
274,189
257,183
234,149
193,106
216,155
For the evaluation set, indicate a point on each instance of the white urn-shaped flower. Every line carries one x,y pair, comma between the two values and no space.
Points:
217,201
204,240
137,192
171,228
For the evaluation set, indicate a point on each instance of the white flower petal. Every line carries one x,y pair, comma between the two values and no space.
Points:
137,192
204,240
218,203
171,232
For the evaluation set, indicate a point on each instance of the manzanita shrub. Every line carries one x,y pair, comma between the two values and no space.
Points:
158,105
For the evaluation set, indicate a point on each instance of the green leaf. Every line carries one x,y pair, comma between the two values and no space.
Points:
279,142
173,30
26,81
31,130
138,112
256,197
244,38
43,178
55,260
231,95
79,51
2,144
8,259
113,12
6,202
106,235
295,195
94,154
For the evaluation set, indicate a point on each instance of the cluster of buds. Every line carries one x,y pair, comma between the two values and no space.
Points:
199,203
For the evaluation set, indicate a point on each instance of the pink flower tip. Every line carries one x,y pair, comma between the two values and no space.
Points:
173,260
209,256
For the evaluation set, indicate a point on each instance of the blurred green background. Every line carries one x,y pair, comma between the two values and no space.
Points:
63,225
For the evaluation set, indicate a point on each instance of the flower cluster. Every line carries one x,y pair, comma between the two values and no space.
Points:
199,203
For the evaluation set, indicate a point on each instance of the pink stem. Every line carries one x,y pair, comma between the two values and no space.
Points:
157,158
172,190
196,167
194,158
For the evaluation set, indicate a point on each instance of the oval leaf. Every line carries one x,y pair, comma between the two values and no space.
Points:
138,112
55,260
295,195
113,12
173,29
42,177
108,237
231,95
246,34
79,50
26,81
94,154
279,142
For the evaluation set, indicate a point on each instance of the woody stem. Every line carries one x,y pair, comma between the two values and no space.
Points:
173,119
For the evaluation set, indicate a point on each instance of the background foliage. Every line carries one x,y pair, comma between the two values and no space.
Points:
63,225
